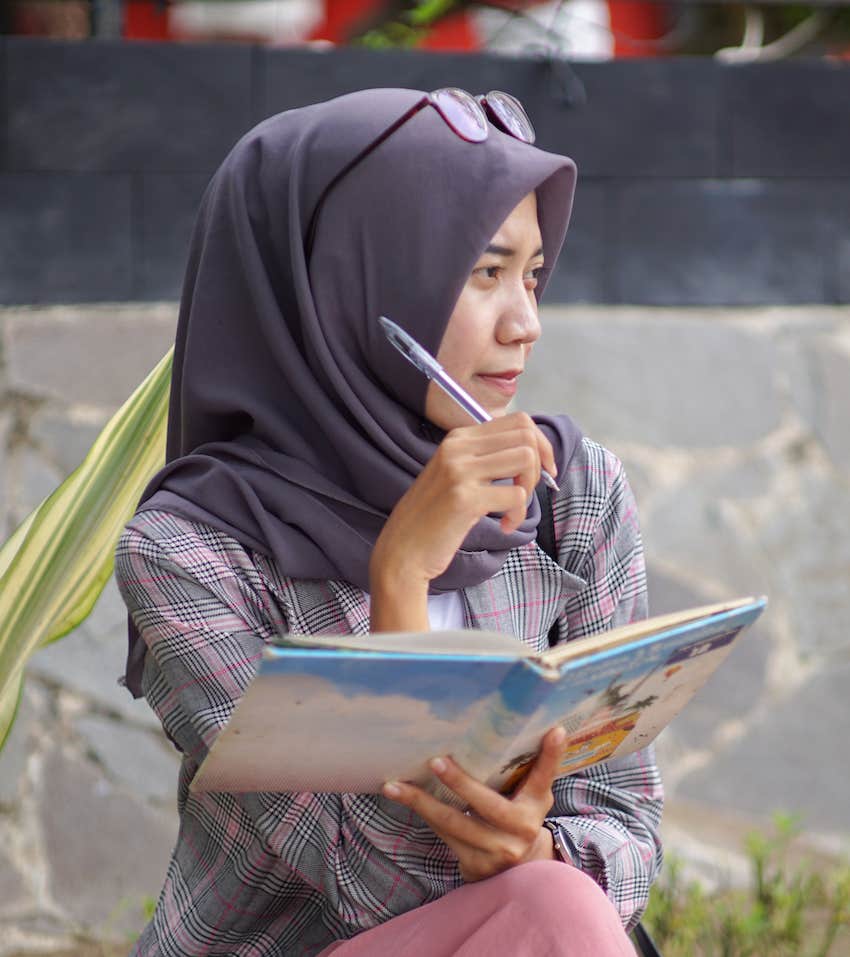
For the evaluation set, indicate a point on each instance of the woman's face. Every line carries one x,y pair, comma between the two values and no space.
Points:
494,323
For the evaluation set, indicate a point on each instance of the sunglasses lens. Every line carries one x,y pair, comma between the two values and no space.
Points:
462,112
510,114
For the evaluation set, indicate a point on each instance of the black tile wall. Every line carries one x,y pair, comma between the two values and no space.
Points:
166,205
4,125
580,274
717,242
65,237
133,106
653,118
638,118
789,119
698,182
298,77
837,252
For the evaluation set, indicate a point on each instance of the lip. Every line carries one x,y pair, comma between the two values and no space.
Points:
503,382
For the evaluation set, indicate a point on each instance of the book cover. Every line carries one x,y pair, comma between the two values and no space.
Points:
346,719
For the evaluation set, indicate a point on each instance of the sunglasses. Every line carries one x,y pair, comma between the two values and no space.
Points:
466,115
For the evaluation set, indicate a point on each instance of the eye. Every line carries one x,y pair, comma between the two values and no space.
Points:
533,276
489,272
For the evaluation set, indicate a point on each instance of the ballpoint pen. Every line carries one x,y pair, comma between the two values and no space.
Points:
428,365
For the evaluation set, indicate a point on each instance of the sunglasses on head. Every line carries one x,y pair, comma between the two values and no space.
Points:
466,115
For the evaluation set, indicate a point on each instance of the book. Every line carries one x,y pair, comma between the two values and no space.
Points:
347,713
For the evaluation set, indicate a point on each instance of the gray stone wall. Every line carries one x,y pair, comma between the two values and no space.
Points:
733,427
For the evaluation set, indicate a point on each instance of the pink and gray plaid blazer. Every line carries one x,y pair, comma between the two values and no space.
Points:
267,875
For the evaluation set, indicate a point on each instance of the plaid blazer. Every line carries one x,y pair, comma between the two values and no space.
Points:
266,874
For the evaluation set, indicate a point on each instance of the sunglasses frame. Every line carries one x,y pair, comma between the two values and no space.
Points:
485,105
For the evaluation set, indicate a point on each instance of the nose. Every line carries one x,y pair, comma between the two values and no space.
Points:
519,322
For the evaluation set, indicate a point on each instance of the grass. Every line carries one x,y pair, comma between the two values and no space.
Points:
799,909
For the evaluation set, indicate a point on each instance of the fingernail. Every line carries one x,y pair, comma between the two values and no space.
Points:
439,766
391,790
559,735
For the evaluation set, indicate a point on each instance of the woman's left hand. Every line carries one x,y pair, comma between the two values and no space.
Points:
496,832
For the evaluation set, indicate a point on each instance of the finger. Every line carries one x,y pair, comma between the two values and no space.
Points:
514,507
500,813
455,827
490,498
490,437
546,453
520,463
470,486
538,783
542,445
523,421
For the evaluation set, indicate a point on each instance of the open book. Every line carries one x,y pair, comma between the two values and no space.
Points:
346,713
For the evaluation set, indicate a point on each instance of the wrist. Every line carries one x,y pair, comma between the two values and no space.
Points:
399,601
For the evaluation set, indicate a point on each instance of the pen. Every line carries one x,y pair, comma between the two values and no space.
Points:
428,365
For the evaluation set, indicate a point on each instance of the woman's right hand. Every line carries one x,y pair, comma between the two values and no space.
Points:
450,495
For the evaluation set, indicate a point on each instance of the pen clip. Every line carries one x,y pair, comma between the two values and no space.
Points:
409,348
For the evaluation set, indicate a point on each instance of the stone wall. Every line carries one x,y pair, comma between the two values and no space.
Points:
733,426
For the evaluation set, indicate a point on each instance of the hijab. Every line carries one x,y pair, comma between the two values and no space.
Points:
294,425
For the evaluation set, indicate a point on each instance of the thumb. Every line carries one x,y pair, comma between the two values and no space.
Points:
538,783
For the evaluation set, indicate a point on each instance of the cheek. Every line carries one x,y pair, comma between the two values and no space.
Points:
443,411
461,341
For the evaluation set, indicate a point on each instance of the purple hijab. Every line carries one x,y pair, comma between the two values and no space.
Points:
294,426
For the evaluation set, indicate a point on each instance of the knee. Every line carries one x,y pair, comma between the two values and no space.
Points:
559,891
544,878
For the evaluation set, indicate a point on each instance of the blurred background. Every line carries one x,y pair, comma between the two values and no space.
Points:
697,324
584,29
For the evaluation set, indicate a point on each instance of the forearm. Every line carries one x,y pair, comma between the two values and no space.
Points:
399,595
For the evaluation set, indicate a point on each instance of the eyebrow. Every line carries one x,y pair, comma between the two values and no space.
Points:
507,251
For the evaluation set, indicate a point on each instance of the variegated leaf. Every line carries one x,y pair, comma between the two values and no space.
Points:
55,566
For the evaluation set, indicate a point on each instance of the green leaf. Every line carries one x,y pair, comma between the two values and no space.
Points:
10,701
55,565
430,11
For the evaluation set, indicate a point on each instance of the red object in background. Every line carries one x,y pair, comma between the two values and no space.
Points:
643,21
146,20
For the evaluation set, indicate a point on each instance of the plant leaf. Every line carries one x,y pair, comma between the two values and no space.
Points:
10,700
55,566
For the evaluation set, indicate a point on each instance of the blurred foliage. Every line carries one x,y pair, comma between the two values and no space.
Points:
695,28
791,908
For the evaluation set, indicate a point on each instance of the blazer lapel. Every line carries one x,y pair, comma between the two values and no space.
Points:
524,597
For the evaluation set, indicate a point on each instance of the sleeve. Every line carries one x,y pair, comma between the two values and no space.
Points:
204,614
609,815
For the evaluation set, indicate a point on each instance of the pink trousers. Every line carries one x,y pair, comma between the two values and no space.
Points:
539,909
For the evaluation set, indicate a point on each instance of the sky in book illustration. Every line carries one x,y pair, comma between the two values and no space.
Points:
448,688
407,729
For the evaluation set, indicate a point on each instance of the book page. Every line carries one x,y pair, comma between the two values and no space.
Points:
625,634
466,641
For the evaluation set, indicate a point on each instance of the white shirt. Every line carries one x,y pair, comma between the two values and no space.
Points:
445,612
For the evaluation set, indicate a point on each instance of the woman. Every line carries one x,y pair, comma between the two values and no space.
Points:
317,484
